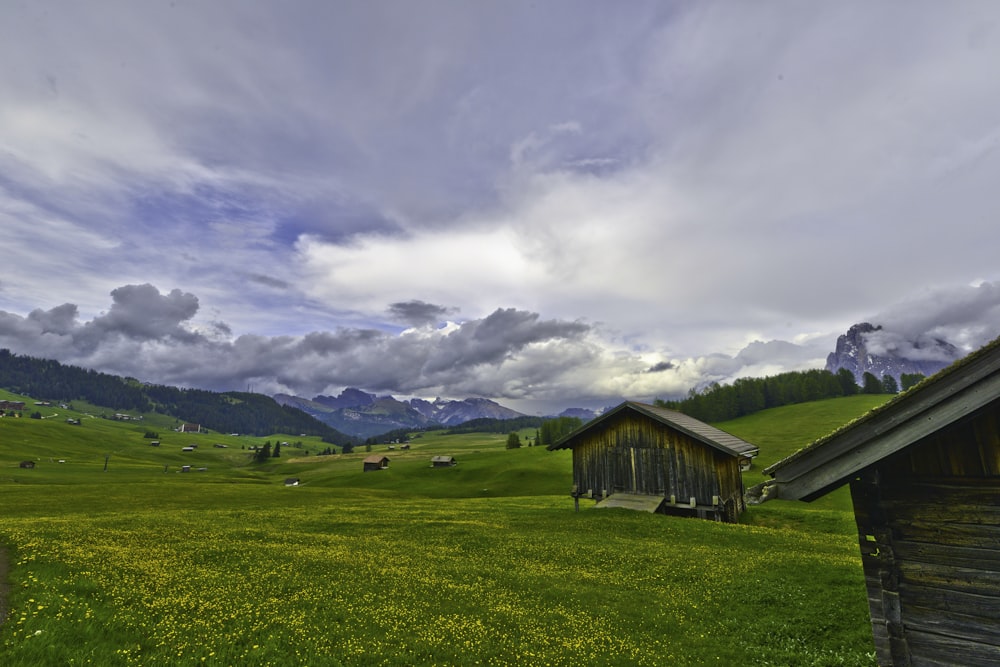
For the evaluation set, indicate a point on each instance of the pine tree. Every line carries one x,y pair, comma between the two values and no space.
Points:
871,384
907,380
848,385
513,440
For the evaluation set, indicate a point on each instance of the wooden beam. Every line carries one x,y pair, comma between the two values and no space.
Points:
833,464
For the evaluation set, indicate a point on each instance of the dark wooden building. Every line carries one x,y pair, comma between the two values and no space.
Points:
645,457
924,474
376,462
443,461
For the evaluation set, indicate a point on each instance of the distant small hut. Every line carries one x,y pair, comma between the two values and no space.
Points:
645,457
924,474
443,462
292,481
27,464
376,462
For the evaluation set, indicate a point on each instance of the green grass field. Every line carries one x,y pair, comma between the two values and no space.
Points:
482,563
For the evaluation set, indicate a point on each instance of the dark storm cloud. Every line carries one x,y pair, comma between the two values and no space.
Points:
58,320
141,312
149,335
497,337
418,313
660,367
268,281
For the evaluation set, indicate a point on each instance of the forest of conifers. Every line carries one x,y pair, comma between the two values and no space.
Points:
745,396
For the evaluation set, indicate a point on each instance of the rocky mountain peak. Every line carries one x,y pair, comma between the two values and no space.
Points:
868,348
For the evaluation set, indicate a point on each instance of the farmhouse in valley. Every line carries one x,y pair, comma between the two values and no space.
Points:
659,460
376,462
443,461
924,474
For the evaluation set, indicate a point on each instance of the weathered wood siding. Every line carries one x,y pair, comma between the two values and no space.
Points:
634,454
929,528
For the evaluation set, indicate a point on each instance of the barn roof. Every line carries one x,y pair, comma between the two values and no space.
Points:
937,402
376,458
699,430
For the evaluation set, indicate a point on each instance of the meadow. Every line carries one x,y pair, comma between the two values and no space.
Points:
116,558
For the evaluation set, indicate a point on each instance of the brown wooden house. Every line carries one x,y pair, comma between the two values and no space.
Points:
924,474
645,457
376,462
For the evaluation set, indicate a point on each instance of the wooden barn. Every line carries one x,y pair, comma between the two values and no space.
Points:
443,461
924,474
376,462
645,457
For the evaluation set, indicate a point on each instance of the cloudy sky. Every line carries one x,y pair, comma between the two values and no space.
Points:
550,204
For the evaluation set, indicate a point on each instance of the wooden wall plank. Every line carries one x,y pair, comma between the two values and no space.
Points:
931,649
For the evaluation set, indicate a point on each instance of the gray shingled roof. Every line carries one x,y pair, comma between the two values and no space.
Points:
699,430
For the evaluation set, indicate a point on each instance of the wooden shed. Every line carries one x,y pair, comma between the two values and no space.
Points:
924,474
645,457
443,461
376,462
27,464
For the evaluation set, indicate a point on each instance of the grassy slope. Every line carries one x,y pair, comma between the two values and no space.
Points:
409,565
780,432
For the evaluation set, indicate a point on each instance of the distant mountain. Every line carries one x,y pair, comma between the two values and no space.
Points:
897,355
583,414
361,414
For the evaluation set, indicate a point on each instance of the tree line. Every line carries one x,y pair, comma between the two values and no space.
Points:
494,425
744,396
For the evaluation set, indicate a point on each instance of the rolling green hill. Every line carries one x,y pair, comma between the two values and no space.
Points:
226,412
